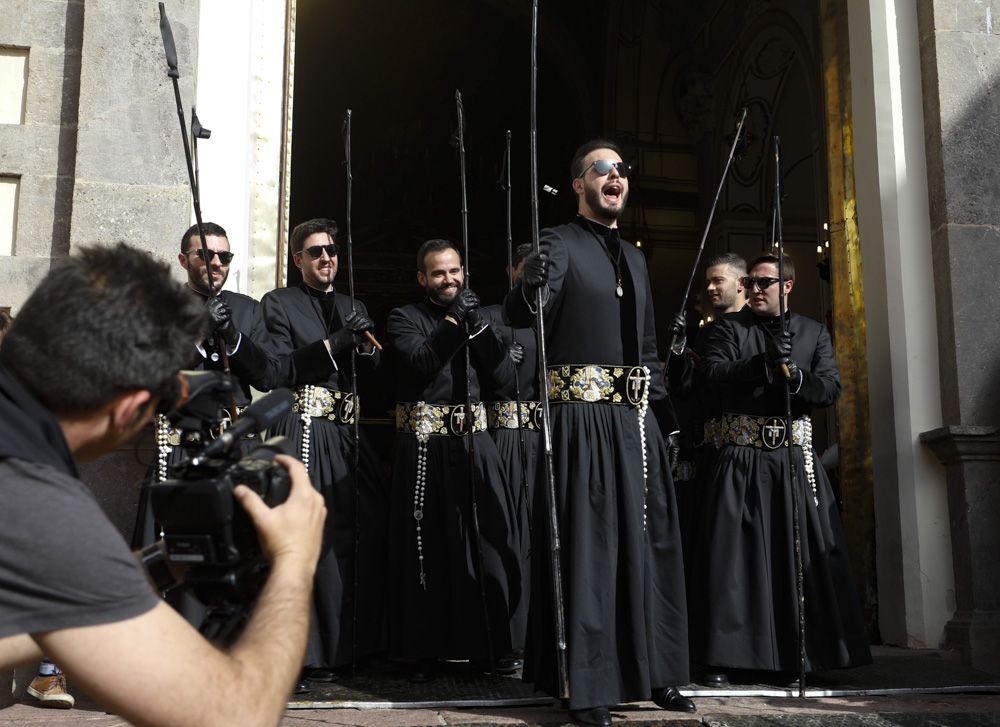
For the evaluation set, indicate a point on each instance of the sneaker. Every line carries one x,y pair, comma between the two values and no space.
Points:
51,691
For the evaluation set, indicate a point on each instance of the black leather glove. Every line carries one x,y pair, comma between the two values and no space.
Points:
221,321
351,334
794,372
464,304
516,353
535,273
673,450
678,333
359,322
779,346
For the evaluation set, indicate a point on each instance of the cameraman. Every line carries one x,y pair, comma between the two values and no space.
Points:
80,373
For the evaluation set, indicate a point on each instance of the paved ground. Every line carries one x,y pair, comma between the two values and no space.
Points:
917,710
910,711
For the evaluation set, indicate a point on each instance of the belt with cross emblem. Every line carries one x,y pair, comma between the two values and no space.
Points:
423,418
761,431
593,383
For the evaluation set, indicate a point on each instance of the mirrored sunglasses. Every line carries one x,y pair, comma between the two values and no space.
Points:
604,166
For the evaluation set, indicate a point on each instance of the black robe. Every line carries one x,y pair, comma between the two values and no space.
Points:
695,402
446,619
519,452
298,324
744,604
251,365
626,619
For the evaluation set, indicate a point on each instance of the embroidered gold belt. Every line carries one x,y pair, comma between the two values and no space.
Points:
172,436
322,403
427,419
503,415
761,432
627,385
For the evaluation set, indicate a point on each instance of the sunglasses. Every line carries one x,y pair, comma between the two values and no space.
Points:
604,166
317,250
759,283
225,257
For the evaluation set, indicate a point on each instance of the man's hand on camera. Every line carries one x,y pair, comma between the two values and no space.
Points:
291,532
221,321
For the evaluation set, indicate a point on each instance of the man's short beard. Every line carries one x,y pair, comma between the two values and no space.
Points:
595,200
435,296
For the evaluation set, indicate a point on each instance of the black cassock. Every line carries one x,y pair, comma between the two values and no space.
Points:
445,619
251,365
299,319
626,618
519,452
743,602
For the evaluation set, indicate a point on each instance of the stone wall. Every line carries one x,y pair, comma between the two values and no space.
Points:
41,151
960,64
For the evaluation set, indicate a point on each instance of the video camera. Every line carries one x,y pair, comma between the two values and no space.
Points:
209,544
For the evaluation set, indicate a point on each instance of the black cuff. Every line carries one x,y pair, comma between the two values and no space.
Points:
312,363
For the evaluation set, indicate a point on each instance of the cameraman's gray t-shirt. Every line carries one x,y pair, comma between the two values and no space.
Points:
62,562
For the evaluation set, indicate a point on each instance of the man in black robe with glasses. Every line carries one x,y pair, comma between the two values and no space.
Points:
313,332
626,619
744,612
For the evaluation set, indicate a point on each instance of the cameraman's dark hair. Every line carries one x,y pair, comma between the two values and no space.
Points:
210,229
730,259
311,227
436,245
576,167
773,259
102,322
521,252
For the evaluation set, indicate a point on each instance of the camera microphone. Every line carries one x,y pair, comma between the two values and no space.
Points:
259,416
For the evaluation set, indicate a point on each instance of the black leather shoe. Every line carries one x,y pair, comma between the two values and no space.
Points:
319,674
301,687
593,717
714,679
670,699
505,665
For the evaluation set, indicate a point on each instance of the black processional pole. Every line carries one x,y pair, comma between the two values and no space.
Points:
708,222
198,132
791,483
470,416
555,542
354,398
521,447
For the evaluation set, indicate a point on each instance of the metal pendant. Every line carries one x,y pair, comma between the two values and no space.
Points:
618,291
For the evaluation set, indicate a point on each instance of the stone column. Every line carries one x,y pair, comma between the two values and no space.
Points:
131,177
960,62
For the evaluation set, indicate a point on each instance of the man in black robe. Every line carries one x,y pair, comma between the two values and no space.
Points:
454,567
314,332
744,604
626,622
518,436
237,325
698,409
